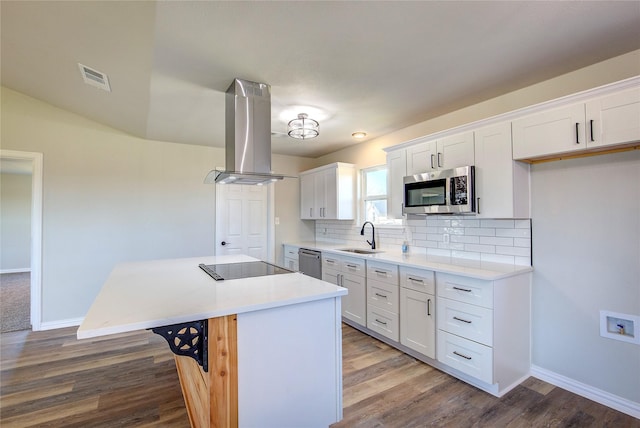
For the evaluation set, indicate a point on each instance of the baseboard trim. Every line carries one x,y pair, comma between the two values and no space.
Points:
22,270
52,325
621,404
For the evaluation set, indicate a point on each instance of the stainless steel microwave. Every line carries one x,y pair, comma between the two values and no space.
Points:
440,192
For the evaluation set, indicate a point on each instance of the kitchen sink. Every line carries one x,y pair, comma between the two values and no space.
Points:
359,250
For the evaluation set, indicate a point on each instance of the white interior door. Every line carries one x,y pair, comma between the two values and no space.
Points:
242,223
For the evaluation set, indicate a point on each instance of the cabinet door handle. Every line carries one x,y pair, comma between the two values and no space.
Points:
591,129
439,163
381,295
415,279
432,156
462,289
577,133
478,205
310,212
463,320
428,307
380,322
466,357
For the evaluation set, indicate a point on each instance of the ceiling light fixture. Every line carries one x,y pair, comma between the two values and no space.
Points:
359,135
303,128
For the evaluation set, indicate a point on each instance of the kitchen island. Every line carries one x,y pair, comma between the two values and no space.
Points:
261,351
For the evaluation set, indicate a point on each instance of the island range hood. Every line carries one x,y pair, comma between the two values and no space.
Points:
247,136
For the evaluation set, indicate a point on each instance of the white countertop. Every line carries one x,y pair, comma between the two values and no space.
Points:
141,295
465,267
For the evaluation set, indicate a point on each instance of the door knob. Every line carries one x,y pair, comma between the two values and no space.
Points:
224,243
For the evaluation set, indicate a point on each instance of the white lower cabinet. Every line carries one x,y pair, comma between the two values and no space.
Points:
348,272
291,258
383,299
418,310
417,321
484,328
465,355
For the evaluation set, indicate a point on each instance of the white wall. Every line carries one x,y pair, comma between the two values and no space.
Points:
15,222
586,257
110,197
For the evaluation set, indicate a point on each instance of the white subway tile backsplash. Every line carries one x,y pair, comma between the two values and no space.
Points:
479,248
465,255
479,231
513,251
465,239
494,240
514,233
503,224
496,258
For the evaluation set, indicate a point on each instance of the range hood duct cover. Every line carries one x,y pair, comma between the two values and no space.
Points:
247,135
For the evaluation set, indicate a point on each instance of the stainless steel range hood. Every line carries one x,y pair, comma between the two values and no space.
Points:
248,136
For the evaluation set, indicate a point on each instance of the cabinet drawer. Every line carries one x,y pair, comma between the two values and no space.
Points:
464,289
291,263
385,272
383,322
330,261
383,295
465,355
418,279
291,251
353,266
465,320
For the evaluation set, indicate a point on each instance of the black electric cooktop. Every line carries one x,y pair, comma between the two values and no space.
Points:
224,271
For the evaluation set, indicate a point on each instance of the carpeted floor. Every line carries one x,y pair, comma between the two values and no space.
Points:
15,301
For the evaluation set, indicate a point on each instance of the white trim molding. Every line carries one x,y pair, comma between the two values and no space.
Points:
52,325
36,229
20,270
621,404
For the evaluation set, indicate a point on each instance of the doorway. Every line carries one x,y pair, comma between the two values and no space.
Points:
29,162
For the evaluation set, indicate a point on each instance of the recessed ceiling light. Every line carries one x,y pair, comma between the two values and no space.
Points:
359,135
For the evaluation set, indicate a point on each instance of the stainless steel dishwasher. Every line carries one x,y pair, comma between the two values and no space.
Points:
310,262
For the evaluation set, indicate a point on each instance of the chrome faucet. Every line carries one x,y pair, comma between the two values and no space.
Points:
373,234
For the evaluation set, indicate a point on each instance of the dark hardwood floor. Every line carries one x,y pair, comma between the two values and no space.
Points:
50,379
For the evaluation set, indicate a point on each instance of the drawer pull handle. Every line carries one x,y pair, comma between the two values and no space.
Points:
380,322
381,295
329,261
462,289
460,319
352,266
466,357
415,279
381,272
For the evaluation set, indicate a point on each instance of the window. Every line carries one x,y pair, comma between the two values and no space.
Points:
374,195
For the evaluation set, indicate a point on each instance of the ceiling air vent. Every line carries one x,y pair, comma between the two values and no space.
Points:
94,77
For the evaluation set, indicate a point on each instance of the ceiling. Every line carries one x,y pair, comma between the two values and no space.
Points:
353,65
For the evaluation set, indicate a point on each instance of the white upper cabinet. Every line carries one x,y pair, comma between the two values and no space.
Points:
327,193
396,170
614,119
502,184
420,158
455,151
603,121
445,153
